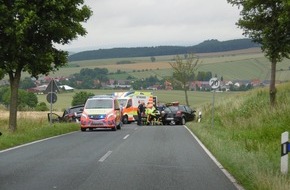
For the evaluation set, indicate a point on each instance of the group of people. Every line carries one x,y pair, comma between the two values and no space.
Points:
148,111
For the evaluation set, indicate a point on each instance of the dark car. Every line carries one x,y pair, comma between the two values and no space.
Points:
177,114
71,114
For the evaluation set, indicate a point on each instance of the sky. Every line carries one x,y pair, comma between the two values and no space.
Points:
147,23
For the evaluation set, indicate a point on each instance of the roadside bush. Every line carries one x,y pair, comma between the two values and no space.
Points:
42,107
81,97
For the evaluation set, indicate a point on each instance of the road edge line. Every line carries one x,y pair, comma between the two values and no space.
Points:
228,175
34,142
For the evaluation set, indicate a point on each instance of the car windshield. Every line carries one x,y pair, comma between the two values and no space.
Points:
122,102
99,104
76,109
173,108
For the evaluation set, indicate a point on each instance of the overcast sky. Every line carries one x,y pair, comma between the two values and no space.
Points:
146,23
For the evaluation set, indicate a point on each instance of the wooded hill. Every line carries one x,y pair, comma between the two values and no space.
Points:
204,47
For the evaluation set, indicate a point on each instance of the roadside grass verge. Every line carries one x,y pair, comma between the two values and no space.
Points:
31,129
246,136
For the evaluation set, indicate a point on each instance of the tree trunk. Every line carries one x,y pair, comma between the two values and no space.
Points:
273,89
186,97
14,85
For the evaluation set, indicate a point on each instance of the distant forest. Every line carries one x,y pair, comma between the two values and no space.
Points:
204,47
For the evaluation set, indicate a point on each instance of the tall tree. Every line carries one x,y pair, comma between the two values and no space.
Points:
183,71
29,30
267,22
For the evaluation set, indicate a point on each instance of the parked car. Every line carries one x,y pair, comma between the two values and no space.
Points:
71,114
102,111
175,113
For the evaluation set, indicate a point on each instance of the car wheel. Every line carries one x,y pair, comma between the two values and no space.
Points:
182,121
125,119
119,125
83,129
114,128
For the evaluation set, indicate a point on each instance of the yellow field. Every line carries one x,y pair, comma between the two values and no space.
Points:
139,66
34,115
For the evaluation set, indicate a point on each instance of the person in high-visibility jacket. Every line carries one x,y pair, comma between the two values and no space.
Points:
150,112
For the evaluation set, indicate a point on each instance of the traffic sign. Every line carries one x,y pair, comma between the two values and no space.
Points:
214,83
52,87
51,97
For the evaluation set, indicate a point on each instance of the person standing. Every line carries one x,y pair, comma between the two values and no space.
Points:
140,111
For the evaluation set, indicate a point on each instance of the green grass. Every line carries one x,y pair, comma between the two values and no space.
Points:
29,130
234,66
196,99
246,135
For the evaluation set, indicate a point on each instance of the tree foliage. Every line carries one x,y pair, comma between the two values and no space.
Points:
25,99
26,83
89,78
29,29
267,22
81,97
204,47
183,71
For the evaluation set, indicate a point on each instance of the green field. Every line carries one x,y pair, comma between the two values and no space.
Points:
196,99
237,65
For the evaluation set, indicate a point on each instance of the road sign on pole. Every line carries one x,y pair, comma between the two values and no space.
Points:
214,83
51,97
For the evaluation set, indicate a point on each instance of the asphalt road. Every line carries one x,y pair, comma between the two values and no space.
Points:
137,158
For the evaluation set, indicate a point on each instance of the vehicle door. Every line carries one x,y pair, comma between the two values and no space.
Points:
189,113
117,111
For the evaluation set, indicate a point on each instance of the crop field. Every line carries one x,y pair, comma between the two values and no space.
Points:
196,99
233,65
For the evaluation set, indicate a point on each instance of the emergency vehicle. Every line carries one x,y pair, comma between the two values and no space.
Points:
129,102
101,111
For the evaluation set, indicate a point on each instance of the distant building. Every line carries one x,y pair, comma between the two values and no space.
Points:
66,88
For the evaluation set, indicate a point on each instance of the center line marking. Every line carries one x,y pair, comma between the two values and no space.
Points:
105,156
126,136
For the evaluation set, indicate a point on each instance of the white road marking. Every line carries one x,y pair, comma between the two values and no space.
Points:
228,175
37,141
126,136
105,156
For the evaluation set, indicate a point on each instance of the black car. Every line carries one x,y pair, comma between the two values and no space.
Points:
177,114
71,114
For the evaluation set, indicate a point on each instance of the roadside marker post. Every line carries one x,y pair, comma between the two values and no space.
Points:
285,149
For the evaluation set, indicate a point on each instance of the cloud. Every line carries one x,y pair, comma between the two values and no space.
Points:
132,23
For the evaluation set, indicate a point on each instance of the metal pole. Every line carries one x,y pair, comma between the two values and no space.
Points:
212,121
51,89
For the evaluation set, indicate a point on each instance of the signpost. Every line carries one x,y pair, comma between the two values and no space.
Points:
215,84
285,149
